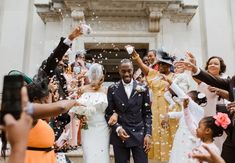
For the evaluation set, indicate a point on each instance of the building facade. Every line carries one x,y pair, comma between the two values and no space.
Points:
30,30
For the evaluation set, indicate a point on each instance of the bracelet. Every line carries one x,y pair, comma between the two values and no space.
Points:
30,109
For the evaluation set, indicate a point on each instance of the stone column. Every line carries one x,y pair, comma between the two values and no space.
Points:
78,17
14,35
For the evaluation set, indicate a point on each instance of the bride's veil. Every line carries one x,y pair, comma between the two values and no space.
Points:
95,73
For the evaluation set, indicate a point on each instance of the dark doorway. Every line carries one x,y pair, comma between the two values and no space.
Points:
110,55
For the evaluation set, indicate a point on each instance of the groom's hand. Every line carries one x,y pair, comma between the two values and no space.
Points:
147,143
122,134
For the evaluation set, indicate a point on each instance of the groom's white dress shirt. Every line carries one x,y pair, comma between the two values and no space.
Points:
128,87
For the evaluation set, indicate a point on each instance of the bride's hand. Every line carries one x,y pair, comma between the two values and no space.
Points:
113,119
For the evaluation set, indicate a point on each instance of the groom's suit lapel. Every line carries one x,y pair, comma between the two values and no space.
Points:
121,93
133,92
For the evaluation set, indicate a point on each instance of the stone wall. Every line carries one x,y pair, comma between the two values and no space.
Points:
25,40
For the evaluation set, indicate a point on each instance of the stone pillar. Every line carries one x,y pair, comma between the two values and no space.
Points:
1,15
78,17
219,31
14,35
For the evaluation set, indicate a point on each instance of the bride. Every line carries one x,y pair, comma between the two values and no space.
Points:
95,138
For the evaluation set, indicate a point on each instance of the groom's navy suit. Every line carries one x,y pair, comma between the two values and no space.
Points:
134,116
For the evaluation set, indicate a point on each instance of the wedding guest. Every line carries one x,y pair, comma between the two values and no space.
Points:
54,64
208,128
27,80
21,128
180,78
139,75
227,84
145,60
204,76
216,67
209,156
41,137
152,59
183,135
79,56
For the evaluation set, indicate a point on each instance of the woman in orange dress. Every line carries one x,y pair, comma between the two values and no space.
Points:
40,143
41,137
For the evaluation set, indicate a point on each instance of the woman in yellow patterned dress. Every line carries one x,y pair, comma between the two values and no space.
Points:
162,137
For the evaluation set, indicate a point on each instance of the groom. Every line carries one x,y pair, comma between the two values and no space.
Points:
131,102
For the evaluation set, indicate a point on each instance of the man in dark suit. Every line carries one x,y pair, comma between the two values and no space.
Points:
228,84
131,102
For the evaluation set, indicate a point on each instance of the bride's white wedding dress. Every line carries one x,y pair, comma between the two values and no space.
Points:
95,139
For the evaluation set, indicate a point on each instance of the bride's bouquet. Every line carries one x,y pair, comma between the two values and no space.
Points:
83,112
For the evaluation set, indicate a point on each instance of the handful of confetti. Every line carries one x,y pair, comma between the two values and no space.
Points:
129,49
85,29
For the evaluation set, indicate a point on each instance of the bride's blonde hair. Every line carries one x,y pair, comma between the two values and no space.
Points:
95,74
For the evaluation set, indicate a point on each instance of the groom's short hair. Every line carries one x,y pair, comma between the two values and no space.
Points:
125,61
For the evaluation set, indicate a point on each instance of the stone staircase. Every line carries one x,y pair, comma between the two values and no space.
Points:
76,156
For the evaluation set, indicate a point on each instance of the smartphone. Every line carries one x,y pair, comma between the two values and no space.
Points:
11,96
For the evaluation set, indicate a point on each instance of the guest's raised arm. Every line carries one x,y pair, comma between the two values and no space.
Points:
49,65
136,58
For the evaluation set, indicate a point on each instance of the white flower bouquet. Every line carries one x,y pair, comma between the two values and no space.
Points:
83,112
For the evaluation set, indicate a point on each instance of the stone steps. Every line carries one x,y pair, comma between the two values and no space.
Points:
76,156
